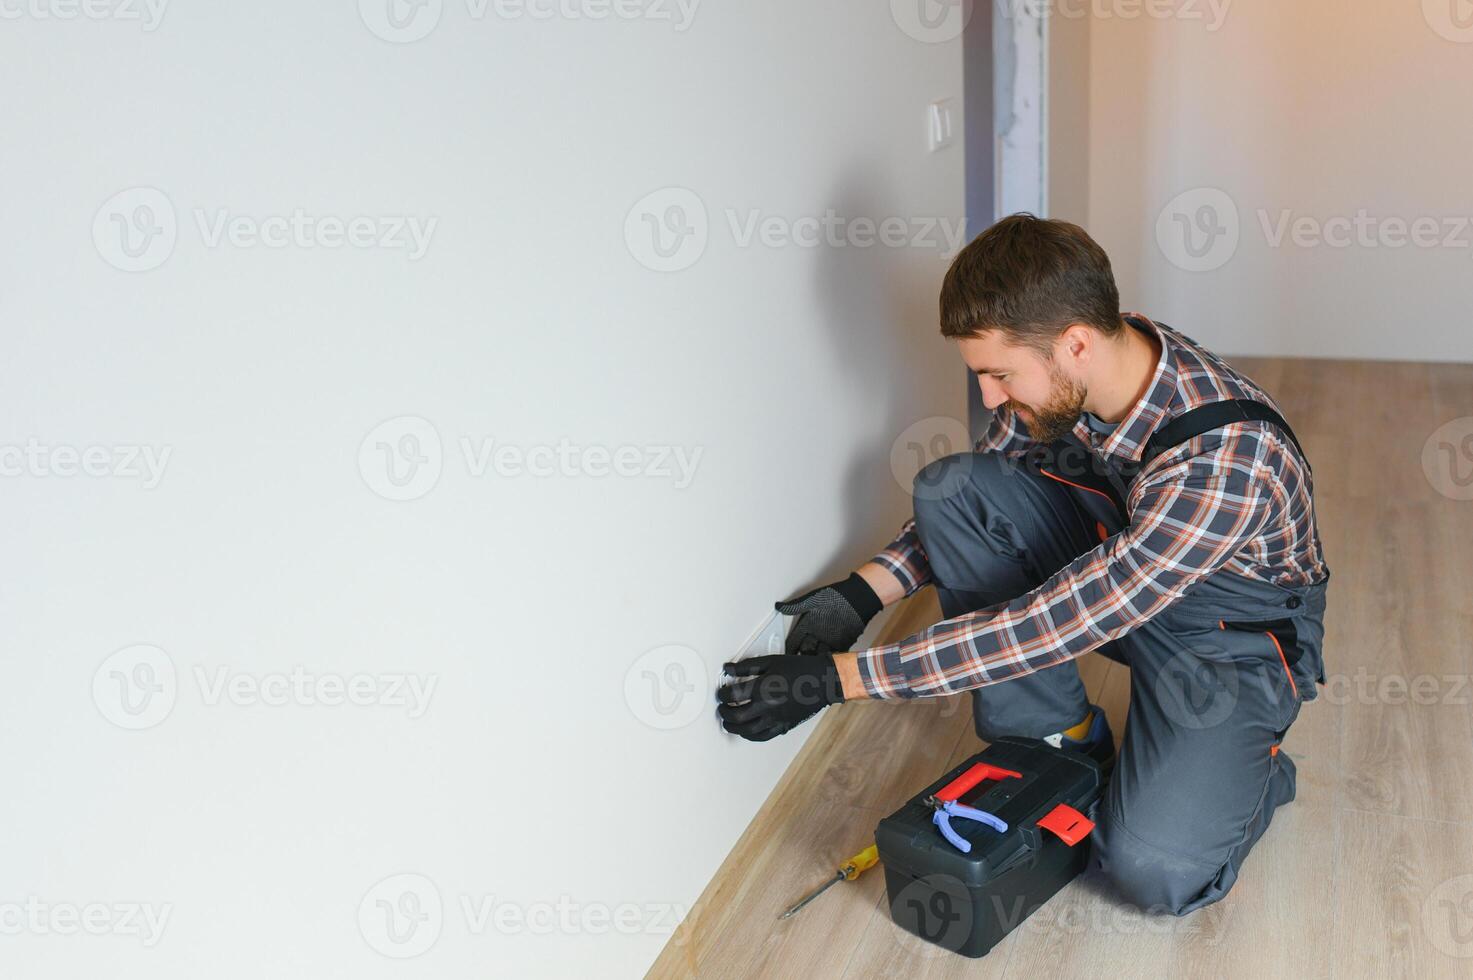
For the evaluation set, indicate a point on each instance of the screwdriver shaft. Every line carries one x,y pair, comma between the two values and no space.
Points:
814,894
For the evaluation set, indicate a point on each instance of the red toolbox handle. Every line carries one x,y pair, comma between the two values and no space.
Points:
969,780
1069,824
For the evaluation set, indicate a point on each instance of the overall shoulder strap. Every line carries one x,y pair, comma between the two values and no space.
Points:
1202,420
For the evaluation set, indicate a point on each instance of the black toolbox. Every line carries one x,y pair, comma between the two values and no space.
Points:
967,902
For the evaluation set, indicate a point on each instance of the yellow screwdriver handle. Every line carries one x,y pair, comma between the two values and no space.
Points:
861,862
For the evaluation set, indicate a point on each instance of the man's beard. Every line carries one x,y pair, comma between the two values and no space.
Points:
1056,419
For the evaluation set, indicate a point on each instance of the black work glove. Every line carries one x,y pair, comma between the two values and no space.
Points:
830,618
764,697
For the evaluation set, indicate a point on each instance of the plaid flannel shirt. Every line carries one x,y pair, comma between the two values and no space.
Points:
1235,501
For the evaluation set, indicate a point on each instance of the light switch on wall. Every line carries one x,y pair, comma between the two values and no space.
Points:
939,127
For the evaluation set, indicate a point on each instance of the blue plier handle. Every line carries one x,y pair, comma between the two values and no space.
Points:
950,808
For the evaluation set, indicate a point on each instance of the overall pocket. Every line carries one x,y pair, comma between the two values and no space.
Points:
1289,652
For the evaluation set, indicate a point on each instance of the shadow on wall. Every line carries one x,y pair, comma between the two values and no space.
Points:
880,317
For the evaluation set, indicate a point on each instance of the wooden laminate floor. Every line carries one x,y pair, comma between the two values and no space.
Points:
1369,872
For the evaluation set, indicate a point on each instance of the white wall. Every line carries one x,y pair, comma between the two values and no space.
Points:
1068,169
1315,110
530,779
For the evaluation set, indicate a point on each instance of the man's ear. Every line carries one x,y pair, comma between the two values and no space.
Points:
1076,344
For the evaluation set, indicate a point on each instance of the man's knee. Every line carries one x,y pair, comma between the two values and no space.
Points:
1156,877
1169,851
952,481
990,726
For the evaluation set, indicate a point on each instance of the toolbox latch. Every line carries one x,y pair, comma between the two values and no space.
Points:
1067,823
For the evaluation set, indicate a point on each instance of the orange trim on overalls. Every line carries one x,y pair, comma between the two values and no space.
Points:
1282,659
1078,486
1100,528
1285,661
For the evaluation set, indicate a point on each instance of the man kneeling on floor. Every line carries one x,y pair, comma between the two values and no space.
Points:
1133,495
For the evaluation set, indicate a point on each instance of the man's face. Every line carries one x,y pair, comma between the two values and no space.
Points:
1032,386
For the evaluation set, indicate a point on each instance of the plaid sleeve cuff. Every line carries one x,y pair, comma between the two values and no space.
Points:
906,559
884,674
902,569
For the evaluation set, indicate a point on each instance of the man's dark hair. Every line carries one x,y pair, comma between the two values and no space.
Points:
1030,278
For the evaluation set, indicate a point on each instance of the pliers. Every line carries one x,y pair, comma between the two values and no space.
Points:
946,809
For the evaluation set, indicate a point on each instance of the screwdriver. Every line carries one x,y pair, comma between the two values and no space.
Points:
852,869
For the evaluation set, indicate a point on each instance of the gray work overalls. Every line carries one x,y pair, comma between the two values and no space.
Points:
1215,679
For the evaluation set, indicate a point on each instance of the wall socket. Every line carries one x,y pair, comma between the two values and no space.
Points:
768,639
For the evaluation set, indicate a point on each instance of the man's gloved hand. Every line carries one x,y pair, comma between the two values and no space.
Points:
830,618
764,697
